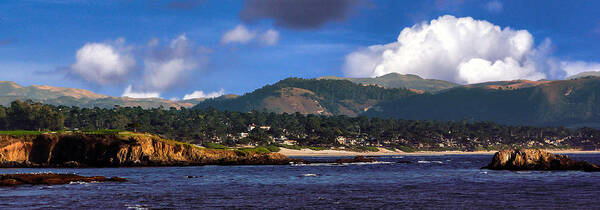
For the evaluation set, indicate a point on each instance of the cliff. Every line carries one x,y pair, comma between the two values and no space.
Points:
536,159
79,150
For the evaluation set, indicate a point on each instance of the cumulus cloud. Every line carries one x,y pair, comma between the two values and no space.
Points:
103,63
239,34
129,92
166,66
201,94
298,14
494,6
270,37
462,50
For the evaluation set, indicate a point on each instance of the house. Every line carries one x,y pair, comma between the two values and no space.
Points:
243,135
341,140
251,127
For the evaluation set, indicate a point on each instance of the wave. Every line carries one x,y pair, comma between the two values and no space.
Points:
341,164
428,161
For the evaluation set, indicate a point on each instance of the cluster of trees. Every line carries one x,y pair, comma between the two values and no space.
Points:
208,125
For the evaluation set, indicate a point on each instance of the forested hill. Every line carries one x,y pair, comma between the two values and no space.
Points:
571,103
310,96
395,80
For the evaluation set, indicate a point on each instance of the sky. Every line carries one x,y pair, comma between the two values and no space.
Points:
183,49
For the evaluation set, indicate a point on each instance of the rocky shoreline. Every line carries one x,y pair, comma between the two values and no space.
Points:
79,150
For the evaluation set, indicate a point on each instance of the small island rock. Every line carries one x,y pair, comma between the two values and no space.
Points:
536,159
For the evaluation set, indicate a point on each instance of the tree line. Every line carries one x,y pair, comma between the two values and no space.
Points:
209,125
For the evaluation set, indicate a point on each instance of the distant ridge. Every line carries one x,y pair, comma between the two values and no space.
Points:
395,80
11,91
585,74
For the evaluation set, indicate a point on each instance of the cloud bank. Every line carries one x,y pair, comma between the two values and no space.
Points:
163,66
201,94
462,50
132,94
575,67
298,14
103,63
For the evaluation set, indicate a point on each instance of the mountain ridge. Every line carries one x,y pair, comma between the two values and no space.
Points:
395,80
11,91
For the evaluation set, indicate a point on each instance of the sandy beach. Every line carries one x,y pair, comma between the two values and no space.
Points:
386,152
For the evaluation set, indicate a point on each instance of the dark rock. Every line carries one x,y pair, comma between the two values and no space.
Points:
535,159
357,159
404,161
51,179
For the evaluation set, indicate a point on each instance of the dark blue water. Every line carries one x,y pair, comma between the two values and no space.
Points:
453,181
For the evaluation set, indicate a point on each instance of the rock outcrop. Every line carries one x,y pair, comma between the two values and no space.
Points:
51,179
357,159
79,150
536,159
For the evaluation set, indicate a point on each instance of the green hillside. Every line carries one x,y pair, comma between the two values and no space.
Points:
572,103
309,96
394,80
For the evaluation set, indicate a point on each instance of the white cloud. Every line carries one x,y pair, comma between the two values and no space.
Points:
132,94
575,67
480,70
165,66
201,94
494,6
270,37
239,34
462,50
103,63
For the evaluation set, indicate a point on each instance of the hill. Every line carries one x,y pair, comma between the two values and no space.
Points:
395,80
10,91
585,74
309,96
571,103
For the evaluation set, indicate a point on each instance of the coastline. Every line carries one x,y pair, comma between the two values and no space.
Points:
386,152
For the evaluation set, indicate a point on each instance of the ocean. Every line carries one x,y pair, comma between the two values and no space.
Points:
428,182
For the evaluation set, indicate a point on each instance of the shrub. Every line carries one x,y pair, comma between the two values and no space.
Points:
365,149
211,145
317,148
259,150
273,148
406,149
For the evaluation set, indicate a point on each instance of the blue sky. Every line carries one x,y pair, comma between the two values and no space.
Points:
39,42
